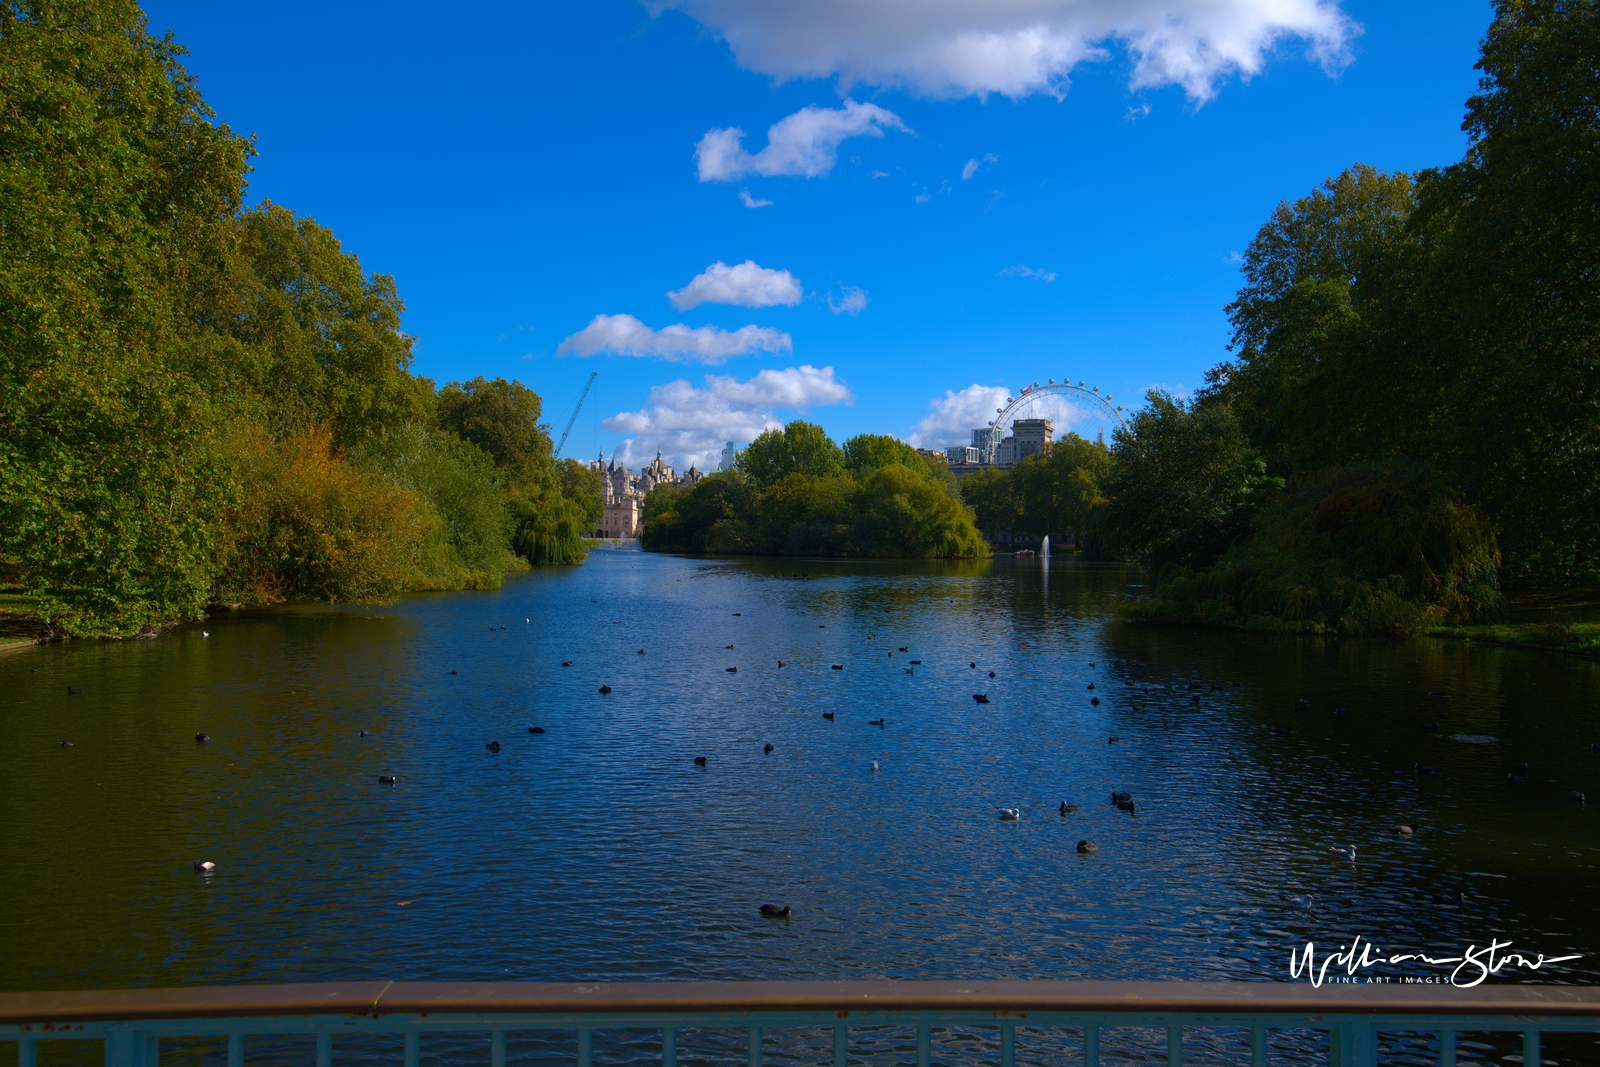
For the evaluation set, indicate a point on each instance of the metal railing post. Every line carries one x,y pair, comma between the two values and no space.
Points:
1258,1046
754,1056
669,1046
585,1047
1091,1046
497,1047
235,1050
324,1049
1008,1045
1174,1046
1530,1049
413,1052
924,1037
27,1053
841,1044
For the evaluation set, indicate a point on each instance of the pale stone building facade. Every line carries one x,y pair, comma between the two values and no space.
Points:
623,493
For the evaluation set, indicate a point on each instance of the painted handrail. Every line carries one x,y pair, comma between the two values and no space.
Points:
132,1022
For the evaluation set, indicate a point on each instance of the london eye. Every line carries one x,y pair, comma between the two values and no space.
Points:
1078,409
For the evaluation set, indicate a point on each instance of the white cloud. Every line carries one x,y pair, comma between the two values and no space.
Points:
747,285
851,299
1020,271
690,425
1020,47
805,143
969,170
624,335
750,201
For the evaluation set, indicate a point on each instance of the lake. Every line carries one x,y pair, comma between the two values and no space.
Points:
598,849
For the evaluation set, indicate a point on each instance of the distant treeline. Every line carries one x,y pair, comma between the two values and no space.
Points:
1413,407
205,404
797,493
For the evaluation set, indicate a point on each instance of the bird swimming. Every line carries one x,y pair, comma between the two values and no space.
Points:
1010,814
730,670
1088,846
874,765
1095,701
1091,685
361,733
972,666
905,648
1404,829
1516,779
1349,853
1118,796
981,698
202,738
772,911
1581,798
386,779
493,746
874,722
768,748
699,761
1126,805
204,866
1302,704
1435,694
66,744
641,652
1068,809
1454,899
566,663
1423,768
828,715
71,692
991,674
838,666
780,663
908,670
536,729
455,672
1112,740
605,689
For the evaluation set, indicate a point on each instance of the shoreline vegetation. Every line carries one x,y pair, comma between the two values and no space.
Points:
208,404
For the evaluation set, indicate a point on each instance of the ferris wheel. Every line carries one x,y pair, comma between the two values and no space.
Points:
1079,409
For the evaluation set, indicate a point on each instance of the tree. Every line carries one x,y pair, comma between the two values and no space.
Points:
1184,484
500,417
800,447
869,451
118,252
1059,490
995,502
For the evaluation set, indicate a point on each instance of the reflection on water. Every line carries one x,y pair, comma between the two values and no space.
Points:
599,850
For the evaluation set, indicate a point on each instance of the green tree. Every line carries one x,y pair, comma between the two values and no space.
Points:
995,502
329,332
902,512
1061,489
1184,483
869,451
800,447
118,249
500,417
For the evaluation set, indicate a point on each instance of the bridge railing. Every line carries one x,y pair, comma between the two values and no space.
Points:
1070,1018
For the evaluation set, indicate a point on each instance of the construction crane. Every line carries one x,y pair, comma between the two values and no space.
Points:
581,397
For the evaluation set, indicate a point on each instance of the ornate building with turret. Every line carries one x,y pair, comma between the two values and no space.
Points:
623,492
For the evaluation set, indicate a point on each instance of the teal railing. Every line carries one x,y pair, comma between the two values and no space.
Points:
1061,1022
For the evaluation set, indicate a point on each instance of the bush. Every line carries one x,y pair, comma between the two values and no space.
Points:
1360,550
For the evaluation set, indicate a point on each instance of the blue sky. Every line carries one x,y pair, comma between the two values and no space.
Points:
1030,188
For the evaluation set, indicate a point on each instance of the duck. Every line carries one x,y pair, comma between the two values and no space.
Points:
991,674
1126,805
361,733
1437,695
1298,901
386,779
972,666
566,663
1112,740
768,748
699,761
780,663
916,663
1010,814
838,666
202,738
204,866
536,729
737,614
71,692
727,646
981,698
1521,768
205,633
1404,829
1516,779
455,672
1283,731
874,722
1119,796
1302,704
1581,798
874,766
772,911
1095,701
905,648
66,744
1068,809
1451,899
1088,846
907,670
1348,853
828,715
1423,768
493,746
641,652
1090,685
730,670
605,689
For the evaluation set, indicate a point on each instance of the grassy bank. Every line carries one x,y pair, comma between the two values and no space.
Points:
1555,620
